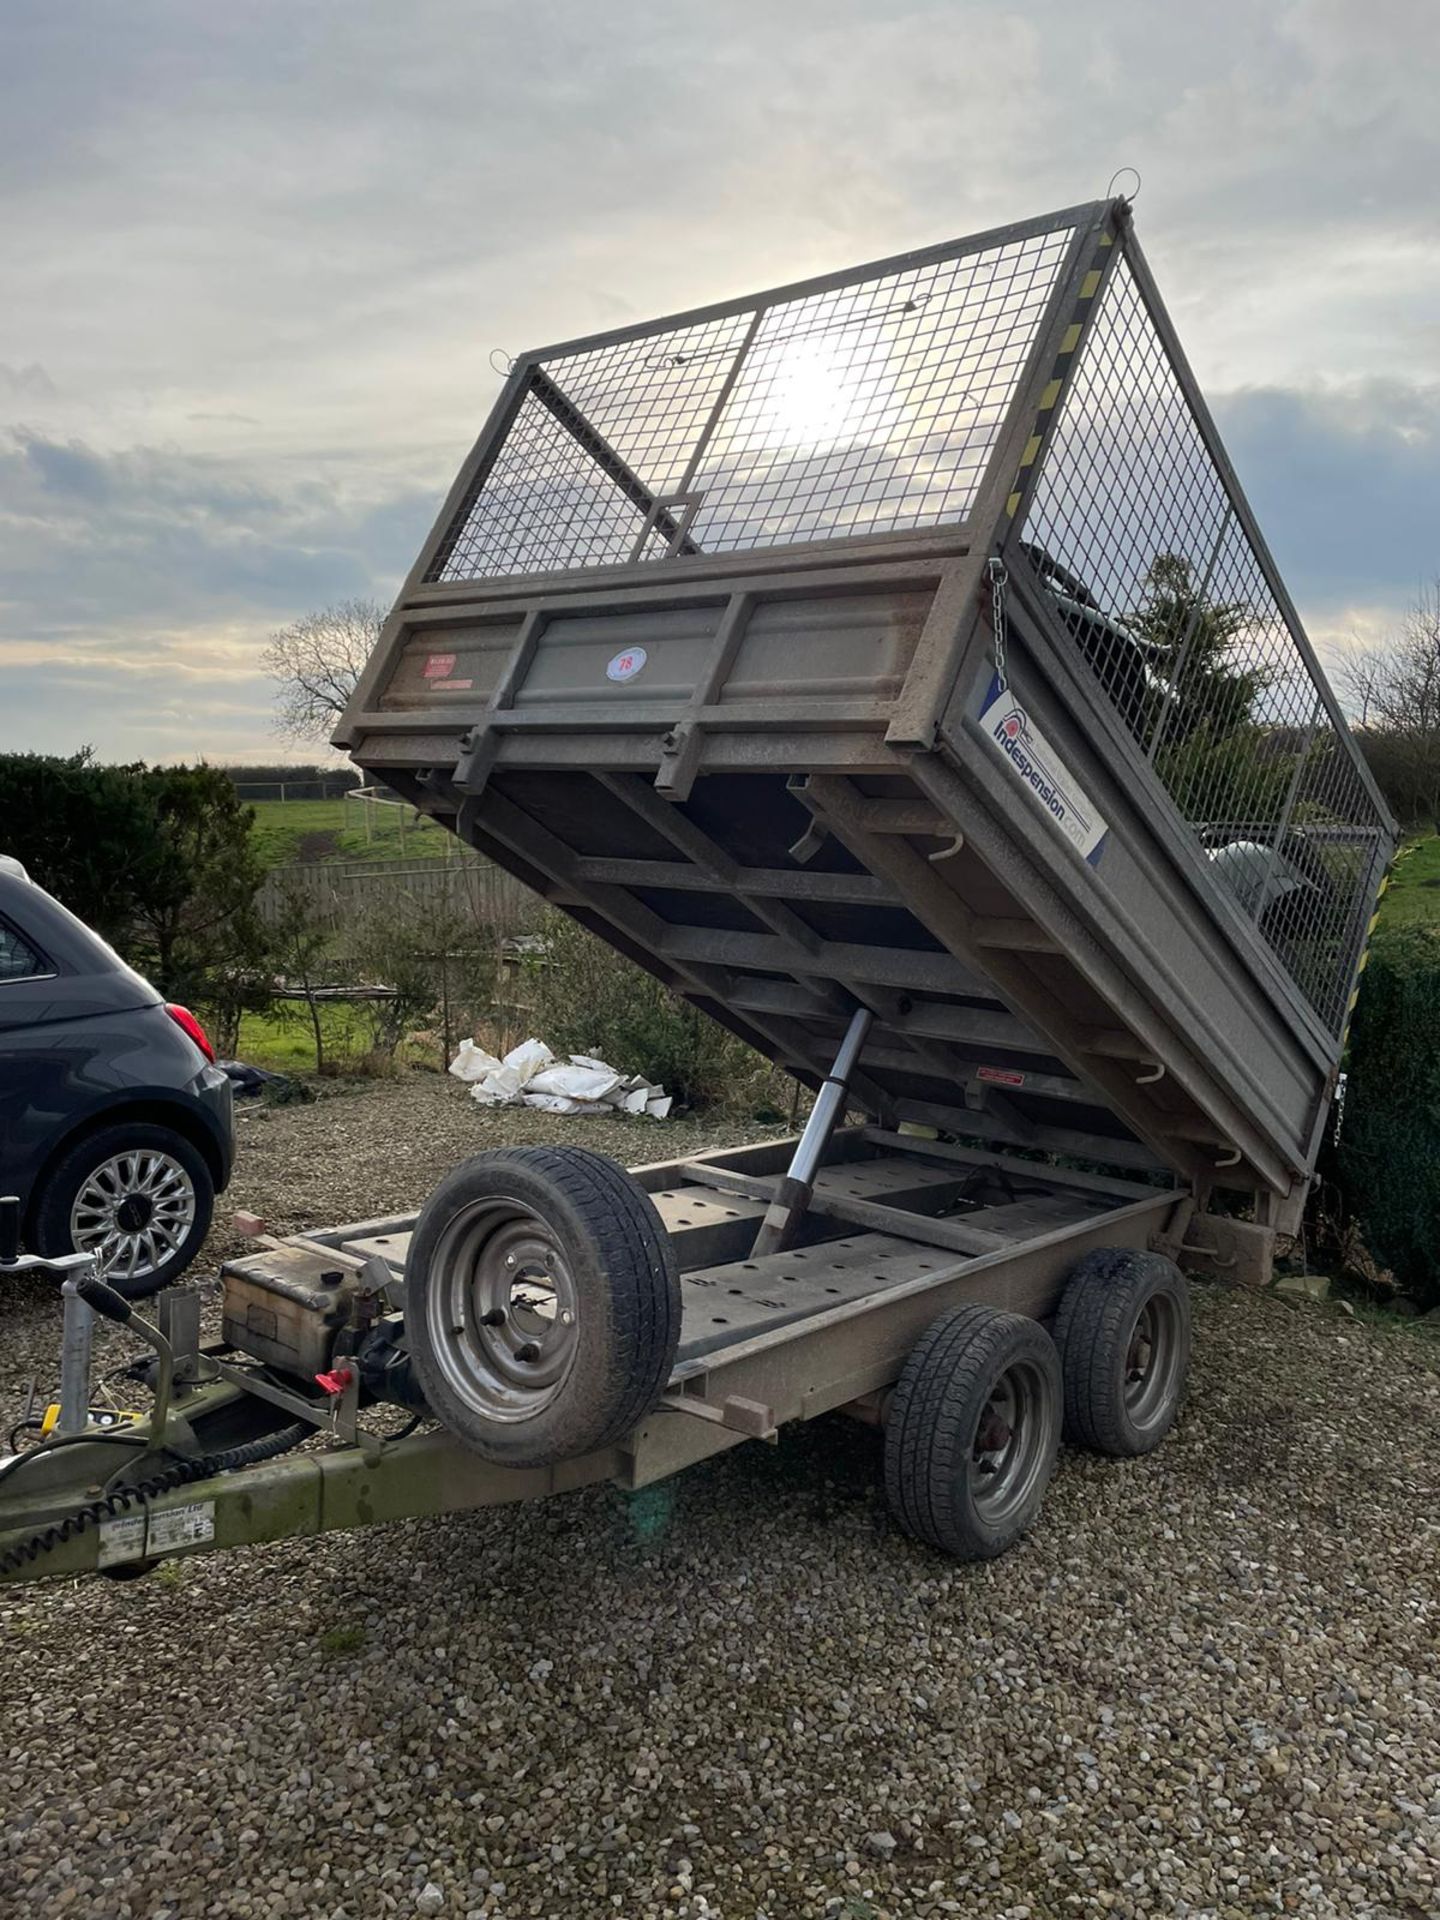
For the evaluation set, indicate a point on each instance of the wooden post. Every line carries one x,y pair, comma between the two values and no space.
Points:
444,1009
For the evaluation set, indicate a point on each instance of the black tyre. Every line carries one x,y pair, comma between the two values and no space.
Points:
972,1432
542,1303
138,1196
1123,1332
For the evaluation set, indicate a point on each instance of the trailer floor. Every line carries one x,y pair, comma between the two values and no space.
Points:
727,1299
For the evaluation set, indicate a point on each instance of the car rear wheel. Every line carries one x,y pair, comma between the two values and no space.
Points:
139,1197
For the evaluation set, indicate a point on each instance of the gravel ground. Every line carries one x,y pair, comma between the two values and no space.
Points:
1207,1685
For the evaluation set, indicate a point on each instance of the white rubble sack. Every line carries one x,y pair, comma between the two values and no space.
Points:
528,1059
501,1082
530,1076
579,1081
498,1089
472,1062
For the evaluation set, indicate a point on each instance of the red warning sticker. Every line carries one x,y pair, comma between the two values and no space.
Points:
439,666
1000,1076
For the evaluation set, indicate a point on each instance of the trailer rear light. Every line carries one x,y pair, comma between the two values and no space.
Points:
187,1023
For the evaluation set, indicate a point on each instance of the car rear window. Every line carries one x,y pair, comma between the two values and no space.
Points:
18,959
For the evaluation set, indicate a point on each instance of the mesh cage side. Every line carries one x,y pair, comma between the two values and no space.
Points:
871,407
1132,530
546,504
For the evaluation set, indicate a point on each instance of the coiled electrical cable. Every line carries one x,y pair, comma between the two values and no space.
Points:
126,1499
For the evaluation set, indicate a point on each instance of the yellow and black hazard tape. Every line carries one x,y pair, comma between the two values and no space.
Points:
1363,961
1090,285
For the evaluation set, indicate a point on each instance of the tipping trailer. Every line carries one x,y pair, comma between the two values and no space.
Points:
892,665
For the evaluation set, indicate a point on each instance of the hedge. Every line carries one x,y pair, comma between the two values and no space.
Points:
1386,1164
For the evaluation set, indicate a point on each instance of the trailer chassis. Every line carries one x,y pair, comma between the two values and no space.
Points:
889,1253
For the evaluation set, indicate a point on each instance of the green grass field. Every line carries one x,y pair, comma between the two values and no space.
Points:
1413,896
288,831
283,1041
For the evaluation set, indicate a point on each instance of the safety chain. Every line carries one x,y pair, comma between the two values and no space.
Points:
999,580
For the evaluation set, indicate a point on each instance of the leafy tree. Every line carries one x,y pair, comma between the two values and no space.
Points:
157,860
316,662
1193,638
86,833
196,919
1218,760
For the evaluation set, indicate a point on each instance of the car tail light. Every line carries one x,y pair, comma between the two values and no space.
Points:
187,1023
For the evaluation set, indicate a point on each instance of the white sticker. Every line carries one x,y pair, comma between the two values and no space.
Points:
135,1536
1030,756
181,1527
626,665
122,1539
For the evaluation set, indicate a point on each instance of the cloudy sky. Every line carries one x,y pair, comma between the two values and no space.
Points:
256,260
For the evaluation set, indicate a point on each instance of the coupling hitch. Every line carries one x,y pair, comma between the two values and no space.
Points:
84,1294
79,1271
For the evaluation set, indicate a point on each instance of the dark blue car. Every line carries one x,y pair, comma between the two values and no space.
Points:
115,1123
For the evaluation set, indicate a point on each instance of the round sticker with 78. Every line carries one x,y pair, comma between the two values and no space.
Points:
626,665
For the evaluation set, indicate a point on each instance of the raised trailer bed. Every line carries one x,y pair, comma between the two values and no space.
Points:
892,665
903,639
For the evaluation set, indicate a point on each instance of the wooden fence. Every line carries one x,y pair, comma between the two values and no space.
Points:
339,893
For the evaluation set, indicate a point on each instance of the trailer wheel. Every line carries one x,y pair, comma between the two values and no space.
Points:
542,1303
972,1432
1123,1331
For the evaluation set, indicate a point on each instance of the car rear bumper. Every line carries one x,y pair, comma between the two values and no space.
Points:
215,1104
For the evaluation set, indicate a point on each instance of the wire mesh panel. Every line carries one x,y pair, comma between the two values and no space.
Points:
651,399
547,504
867,408
873,408
1133,532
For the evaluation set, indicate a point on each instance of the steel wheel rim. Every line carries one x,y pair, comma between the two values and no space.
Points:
1153,1362
1014,1440
134,1212
502,1310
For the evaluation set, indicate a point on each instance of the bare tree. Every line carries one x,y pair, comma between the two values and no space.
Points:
1395,690
316,663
